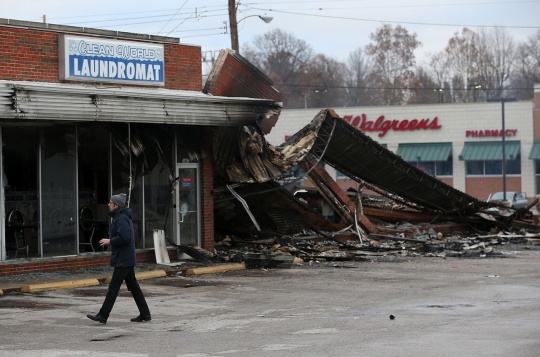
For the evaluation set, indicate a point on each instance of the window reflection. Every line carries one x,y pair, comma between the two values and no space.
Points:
20,170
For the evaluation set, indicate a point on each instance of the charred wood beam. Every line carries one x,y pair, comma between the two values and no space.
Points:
317,173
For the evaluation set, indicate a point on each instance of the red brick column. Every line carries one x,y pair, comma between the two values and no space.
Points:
207,197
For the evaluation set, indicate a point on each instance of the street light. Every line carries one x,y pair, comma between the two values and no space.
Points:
234,24
440,94
503,100
474,87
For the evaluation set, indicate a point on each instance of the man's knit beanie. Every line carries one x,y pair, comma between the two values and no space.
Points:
119,199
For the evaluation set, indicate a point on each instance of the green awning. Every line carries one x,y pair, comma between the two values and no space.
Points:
535,151
489,150
425,151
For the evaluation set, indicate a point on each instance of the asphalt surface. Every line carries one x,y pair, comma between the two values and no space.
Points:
441,307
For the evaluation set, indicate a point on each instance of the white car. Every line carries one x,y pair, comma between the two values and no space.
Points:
513,199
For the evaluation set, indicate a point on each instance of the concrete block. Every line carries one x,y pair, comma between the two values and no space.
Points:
216,269
70,284
144,275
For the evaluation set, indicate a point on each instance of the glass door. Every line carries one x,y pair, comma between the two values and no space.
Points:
187,205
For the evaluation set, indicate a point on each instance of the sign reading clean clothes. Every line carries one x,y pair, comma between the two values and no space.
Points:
100,60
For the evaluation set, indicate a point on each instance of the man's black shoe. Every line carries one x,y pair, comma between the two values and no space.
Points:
99,318
141,318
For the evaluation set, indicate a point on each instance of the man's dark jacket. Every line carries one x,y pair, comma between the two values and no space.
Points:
122,238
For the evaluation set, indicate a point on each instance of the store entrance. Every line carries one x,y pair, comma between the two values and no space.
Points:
187,204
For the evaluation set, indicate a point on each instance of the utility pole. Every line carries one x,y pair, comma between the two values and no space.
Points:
233,25
503,100
44,19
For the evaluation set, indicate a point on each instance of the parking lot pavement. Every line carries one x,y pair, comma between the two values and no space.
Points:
441,307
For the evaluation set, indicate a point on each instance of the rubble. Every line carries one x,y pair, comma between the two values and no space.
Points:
398,211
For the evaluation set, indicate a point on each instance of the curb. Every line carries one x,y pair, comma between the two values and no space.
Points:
143,275
70,284
216,269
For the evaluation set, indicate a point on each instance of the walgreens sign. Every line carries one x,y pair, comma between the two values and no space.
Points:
383,125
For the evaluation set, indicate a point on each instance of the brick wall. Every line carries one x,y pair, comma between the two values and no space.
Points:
207,197
481,187
536,116
71,263
32,55
237,80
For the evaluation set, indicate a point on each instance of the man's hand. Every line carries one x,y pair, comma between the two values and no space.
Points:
104,242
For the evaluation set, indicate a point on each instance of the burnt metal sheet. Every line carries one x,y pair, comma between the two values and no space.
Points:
59,101
361,158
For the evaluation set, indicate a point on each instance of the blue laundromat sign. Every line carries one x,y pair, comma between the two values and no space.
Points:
99,60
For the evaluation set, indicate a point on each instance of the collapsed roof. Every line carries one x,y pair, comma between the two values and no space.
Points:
332,140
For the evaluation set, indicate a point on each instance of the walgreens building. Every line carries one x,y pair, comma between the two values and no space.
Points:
459,143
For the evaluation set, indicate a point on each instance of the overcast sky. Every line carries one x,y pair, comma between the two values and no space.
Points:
334,28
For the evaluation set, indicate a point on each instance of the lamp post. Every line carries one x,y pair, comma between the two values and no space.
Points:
440,94
503,134
474,87
234,24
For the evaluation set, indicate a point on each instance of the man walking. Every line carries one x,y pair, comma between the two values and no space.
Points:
123,260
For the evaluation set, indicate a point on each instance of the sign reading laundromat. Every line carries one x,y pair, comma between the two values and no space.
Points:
100,60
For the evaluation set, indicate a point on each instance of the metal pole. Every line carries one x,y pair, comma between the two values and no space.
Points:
233,25
503,153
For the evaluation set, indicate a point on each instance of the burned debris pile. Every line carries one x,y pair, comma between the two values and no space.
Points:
264,211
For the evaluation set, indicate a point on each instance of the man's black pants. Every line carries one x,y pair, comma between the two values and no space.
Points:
120,275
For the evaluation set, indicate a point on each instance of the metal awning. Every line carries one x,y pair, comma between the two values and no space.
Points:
535,151
76,103
425,151
489,150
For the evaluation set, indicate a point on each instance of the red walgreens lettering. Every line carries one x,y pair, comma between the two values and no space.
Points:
384,125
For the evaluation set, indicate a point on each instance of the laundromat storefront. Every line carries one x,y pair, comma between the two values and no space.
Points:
67,148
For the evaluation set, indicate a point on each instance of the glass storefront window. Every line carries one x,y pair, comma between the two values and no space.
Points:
58,191
435,168
537,175
93,177
121,166
158,204
494,167
20,177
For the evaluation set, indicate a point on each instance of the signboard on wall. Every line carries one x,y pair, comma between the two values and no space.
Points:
102,60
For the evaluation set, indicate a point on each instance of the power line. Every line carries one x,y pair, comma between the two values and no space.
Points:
185,2
153,22
136,18
404,6
394,22
137,12
392,88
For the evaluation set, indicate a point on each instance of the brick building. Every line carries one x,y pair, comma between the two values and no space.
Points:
460,143
86,113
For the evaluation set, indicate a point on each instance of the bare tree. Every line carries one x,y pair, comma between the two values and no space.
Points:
527,67
462,54
425,89
495,60
392,53
285,59
357,79
326,77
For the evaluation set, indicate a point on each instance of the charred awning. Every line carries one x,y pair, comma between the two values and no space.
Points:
78,103
349,151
